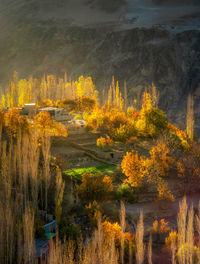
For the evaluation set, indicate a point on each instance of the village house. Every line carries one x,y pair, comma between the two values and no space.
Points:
57,114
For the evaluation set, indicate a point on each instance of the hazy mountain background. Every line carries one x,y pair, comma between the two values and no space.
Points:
140,41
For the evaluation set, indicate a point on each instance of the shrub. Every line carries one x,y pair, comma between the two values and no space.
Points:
93,210
101,142
151,122
132,113
123,132
109,141
68,104
161,228
189,168
86,104
95,187
181,137
164,192
106,119
68,230
76,117
172,239
157,120
45,103
124,192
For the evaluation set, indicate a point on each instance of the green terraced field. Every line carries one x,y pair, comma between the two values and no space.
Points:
106,169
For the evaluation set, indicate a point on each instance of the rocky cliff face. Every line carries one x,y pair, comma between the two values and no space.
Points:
175,2
142,56
168,54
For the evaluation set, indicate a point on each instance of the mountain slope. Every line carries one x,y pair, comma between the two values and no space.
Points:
139,41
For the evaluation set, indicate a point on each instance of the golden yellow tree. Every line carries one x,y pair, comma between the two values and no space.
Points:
24,92
3,102
131,166
190,116
85,87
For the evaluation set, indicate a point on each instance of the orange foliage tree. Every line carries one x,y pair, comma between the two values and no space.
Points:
46,126
108,119
164,192
163,227
139,170
114,229
131,167
102,142
14,122
160,154
142,171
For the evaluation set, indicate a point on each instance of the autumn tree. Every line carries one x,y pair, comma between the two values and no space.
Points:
60,186
131,167
155,95
164,192
3,101
46,126
140,247
125,96
160,154
103,142
180,137
143,171
68,104
190,117
45,103
151,120
115,96
95,187
139,170
85,87
189,167
86,104
24,92
14,122
46,90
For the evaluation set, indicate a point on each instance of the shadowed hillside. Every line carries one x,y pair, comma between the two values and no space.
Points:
139,43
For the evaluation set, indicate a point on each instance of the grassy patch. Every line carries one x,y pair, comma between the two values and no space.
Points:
106,169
